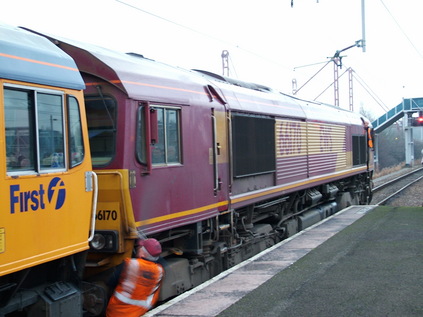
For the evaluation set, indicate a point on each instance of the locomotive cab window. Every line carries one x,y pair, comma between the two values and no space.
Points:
101,118
141,141
165,142
76,144
35,134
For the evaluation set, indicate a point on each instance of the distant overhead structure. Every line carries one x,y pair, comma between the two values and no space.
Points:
337,60
225,63
406,110
363,23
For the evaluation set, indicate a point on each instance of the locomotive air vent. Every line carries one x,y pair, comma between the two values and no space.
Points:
135,55
234,82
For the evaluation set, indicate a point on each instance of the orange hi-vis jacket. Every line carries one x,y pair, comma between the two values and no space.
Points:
138,289
370,137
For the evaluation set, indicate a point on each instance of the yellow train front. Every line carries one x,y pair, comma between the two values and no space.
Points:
45,176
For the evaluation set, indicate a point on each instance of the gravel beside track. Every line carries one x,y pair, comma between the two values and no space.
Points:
411,197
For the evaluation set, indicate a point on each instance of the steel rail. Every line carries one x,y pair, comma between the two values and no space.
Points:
392,181
383,201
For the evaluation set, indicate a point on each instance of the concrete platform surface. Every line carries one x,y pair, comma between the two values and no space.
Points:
372,268
347,265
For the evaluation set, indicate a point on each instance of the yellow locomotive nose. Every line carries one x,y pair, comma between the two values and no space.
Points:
45,174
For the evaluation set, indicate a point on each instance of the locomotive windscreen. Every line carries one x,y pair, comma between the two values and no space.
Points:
253,140
101,117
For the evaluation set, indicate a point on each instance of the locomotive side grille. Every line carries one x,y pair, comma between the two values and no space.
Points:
253,145
308,149
327,148
291,150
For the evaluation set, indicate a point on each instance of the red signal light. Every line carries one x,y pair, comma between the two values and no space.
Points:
417,122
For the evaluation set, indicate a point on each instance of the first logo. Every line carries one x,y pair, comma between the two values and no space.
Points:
34,200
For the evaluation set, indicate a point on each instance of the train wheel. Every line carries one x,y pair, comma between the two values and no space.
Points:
95,299
344,200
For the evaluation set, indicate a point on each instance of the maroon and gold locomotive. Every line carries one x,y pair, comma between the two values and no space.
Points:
214,168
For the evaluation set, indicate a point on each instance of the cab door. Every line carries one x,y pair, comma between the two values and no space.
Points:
220,153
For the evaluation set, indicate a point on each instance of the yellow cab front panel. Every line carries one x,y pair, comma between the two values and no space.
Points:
48,189
45,175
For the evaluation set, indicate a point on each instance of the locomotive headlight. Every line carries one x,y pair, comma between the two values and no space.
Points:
98,242
104,241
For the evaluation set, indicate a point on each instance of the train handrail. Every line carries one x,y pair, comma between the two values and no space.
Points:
231,164
216,165
94,211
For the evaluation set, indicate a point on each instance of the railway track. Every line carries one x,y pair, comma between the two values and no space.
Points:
391,189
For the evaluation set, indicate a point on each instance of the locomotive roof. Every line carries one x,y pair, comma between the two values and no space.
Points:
25,56
140,78
132,73
250,97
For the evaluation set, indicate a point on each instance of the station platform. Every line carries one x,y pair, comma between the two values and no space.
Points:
362,261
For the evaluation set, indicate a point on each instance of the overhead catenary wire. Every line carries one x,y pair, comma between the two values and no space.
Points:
371,93
180,25
402,30
381,104
233,66
360,80
312,77
204,34
363,84
330,85
313,64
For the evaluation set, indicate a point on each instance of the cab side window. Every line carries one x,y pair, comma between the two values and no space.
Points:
166,149
164,135
34,124
50,131
76,144
20,134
